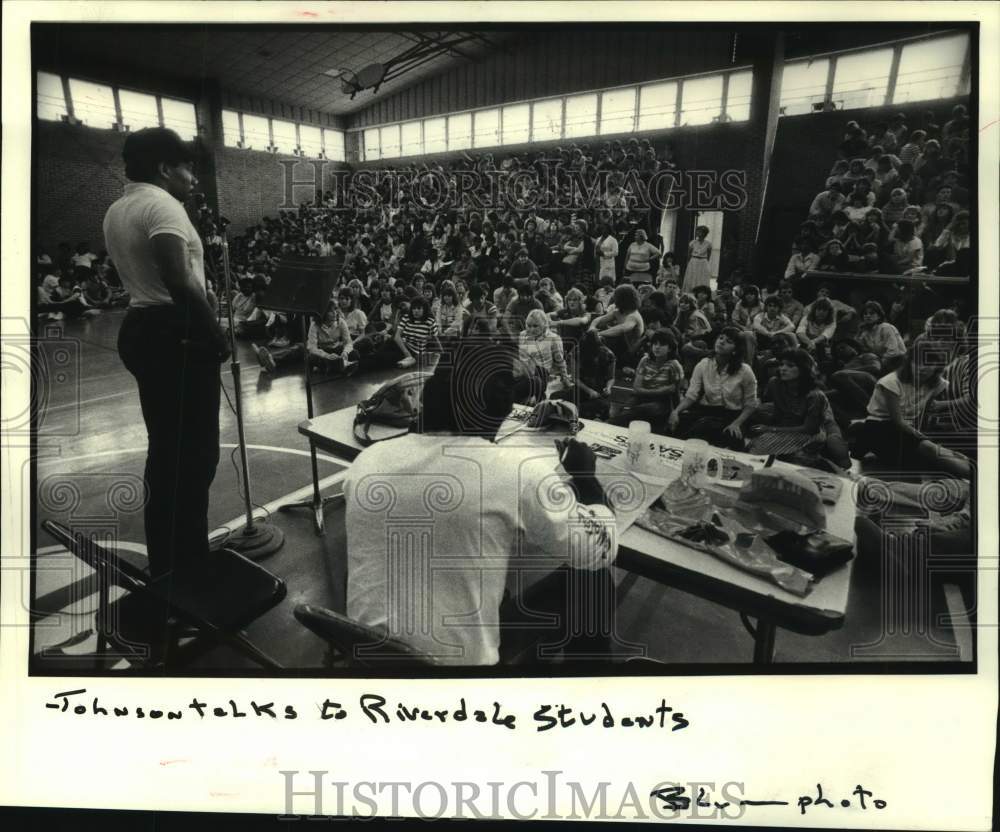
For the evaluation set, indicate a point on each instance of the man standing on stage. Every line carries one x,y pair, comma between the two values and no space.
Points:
170,341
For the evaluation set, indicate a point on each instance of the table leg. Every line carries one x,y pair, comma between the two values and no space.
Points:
763,642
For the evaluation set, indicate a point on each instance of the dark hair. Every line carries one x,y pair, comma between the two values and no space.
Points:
807,368
625,298
418,301
346,293
145,150
821,303
772,300
873,306
472,394
737,359
749,288
664,336
702,290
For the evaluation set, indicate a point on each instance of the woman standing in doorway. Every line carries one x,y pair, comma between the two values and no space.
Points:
697,272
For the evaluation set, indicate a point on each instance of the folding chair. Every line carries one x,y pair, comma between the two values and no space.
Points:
209,604
359,645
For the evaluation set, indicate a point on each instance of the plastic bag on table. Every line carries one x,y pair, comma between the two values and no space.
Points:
708,530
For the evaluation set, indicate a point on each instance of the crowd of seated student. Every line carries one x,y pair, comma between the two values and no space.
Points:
76,283
896,201
595,309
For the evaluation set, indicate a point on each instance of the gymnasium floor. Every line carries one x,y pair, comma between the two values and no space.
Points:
92,444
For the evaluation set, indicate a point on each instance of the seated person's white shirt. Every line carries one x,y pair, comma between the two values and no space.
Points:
429,544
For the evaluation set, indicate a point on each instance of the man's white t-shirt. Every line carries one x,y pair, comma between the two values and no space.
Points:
131,222
435,524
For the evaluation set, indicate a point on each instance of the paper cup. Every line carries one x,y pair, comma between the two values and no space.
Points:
639,436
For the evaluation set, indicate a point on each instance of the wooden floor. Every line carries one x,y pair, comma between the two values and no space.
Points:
91,449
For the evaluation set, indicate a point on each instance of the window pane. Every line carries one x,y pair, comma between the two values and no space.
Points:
618,111
701,100
546,121
581,116
255,132
515,123
310,140
658,106
486,132
179,116
460,131
390,142
434,136
230,128
50,101
803,86
93,104
411,142
862,79
284,135
738,96
930,69
372,144
333,142
138,110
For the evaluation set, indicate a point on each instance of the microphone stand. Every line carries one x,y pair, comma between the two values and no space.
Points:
256,539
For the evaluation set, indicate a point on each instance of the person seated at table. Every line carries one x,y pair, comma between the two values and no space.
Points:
880,337
720,397
539,358
329,344
896,411
510,514
595,374
794,404
621,329
657,386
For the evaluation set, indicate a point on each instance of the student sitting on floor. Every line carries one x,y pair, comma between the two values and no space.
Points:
893,429
657,386
539,357
721,397
796,406
328,343
595,375
621,329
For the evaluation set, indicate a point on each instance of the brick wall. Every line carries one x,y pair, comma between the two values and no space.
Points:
78,173
252,184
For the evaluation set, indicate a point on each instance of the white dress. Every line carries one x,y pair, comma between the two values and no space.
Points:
697,272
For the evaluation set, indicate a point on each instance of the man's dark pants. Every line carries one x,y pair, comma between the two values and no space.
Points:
177,372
